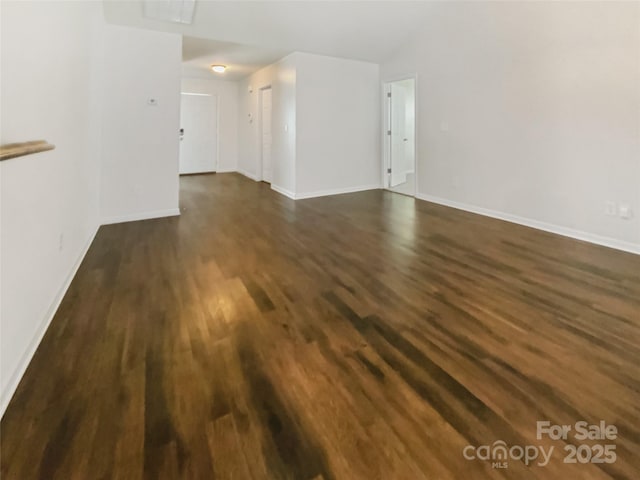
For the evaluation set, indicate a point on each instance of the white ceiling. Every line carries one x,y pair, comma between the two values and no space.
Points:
252,32
198,54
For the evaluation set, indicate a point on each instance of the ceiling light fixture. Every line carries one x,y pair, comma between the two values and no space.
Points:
218,68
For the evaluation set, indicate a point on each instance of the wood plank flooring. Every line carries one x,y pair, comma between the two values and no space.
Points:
361,336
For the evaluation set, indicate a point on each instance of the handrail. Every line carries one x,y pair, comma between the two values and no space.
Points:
12,150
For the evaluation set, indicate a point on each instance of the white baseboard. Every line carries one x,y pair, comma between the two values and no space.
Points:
248,175
527,222
322,193
226,170
134,217
283,191
198,172
335,191
16,376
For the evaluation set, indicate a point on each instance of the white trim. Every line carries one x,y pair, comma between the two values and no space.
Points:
134,217
283,191
248,175
227,170
386,143
17,374
217,166
336,191
547,227
198,172
323,193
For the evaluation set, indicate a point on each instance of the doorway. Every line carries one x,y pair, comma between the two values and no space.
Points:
266,137
400,136
198,133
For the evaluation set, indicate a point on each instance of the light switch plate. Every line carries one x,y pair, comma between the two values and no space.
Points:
624,211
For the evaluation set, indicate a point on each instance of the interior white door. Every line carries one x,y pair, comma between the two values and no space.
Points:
266,135
398,134
199,133
402,142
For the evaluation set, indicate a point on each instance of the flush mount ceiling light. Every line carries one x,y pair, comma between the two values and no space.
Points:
178,11
218,68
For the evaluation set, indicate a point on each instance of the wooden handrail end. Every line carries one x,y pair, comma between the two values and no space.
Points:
13,150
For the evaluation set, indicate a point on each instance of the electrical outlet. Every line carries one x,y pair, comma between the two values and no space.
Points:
624,211
610,208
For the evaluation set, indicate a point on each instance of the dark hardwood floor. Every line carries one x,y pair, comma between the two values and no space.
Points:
361,336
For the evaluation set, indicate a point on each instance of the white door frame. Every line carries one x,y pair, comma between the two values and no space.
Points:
260,175
386,119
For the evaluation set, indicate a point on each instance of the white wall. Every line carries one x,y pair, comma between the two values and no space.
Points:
248,119
281,77
284,130
140,142
531,111
49,201
338,125
326,125
228,107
